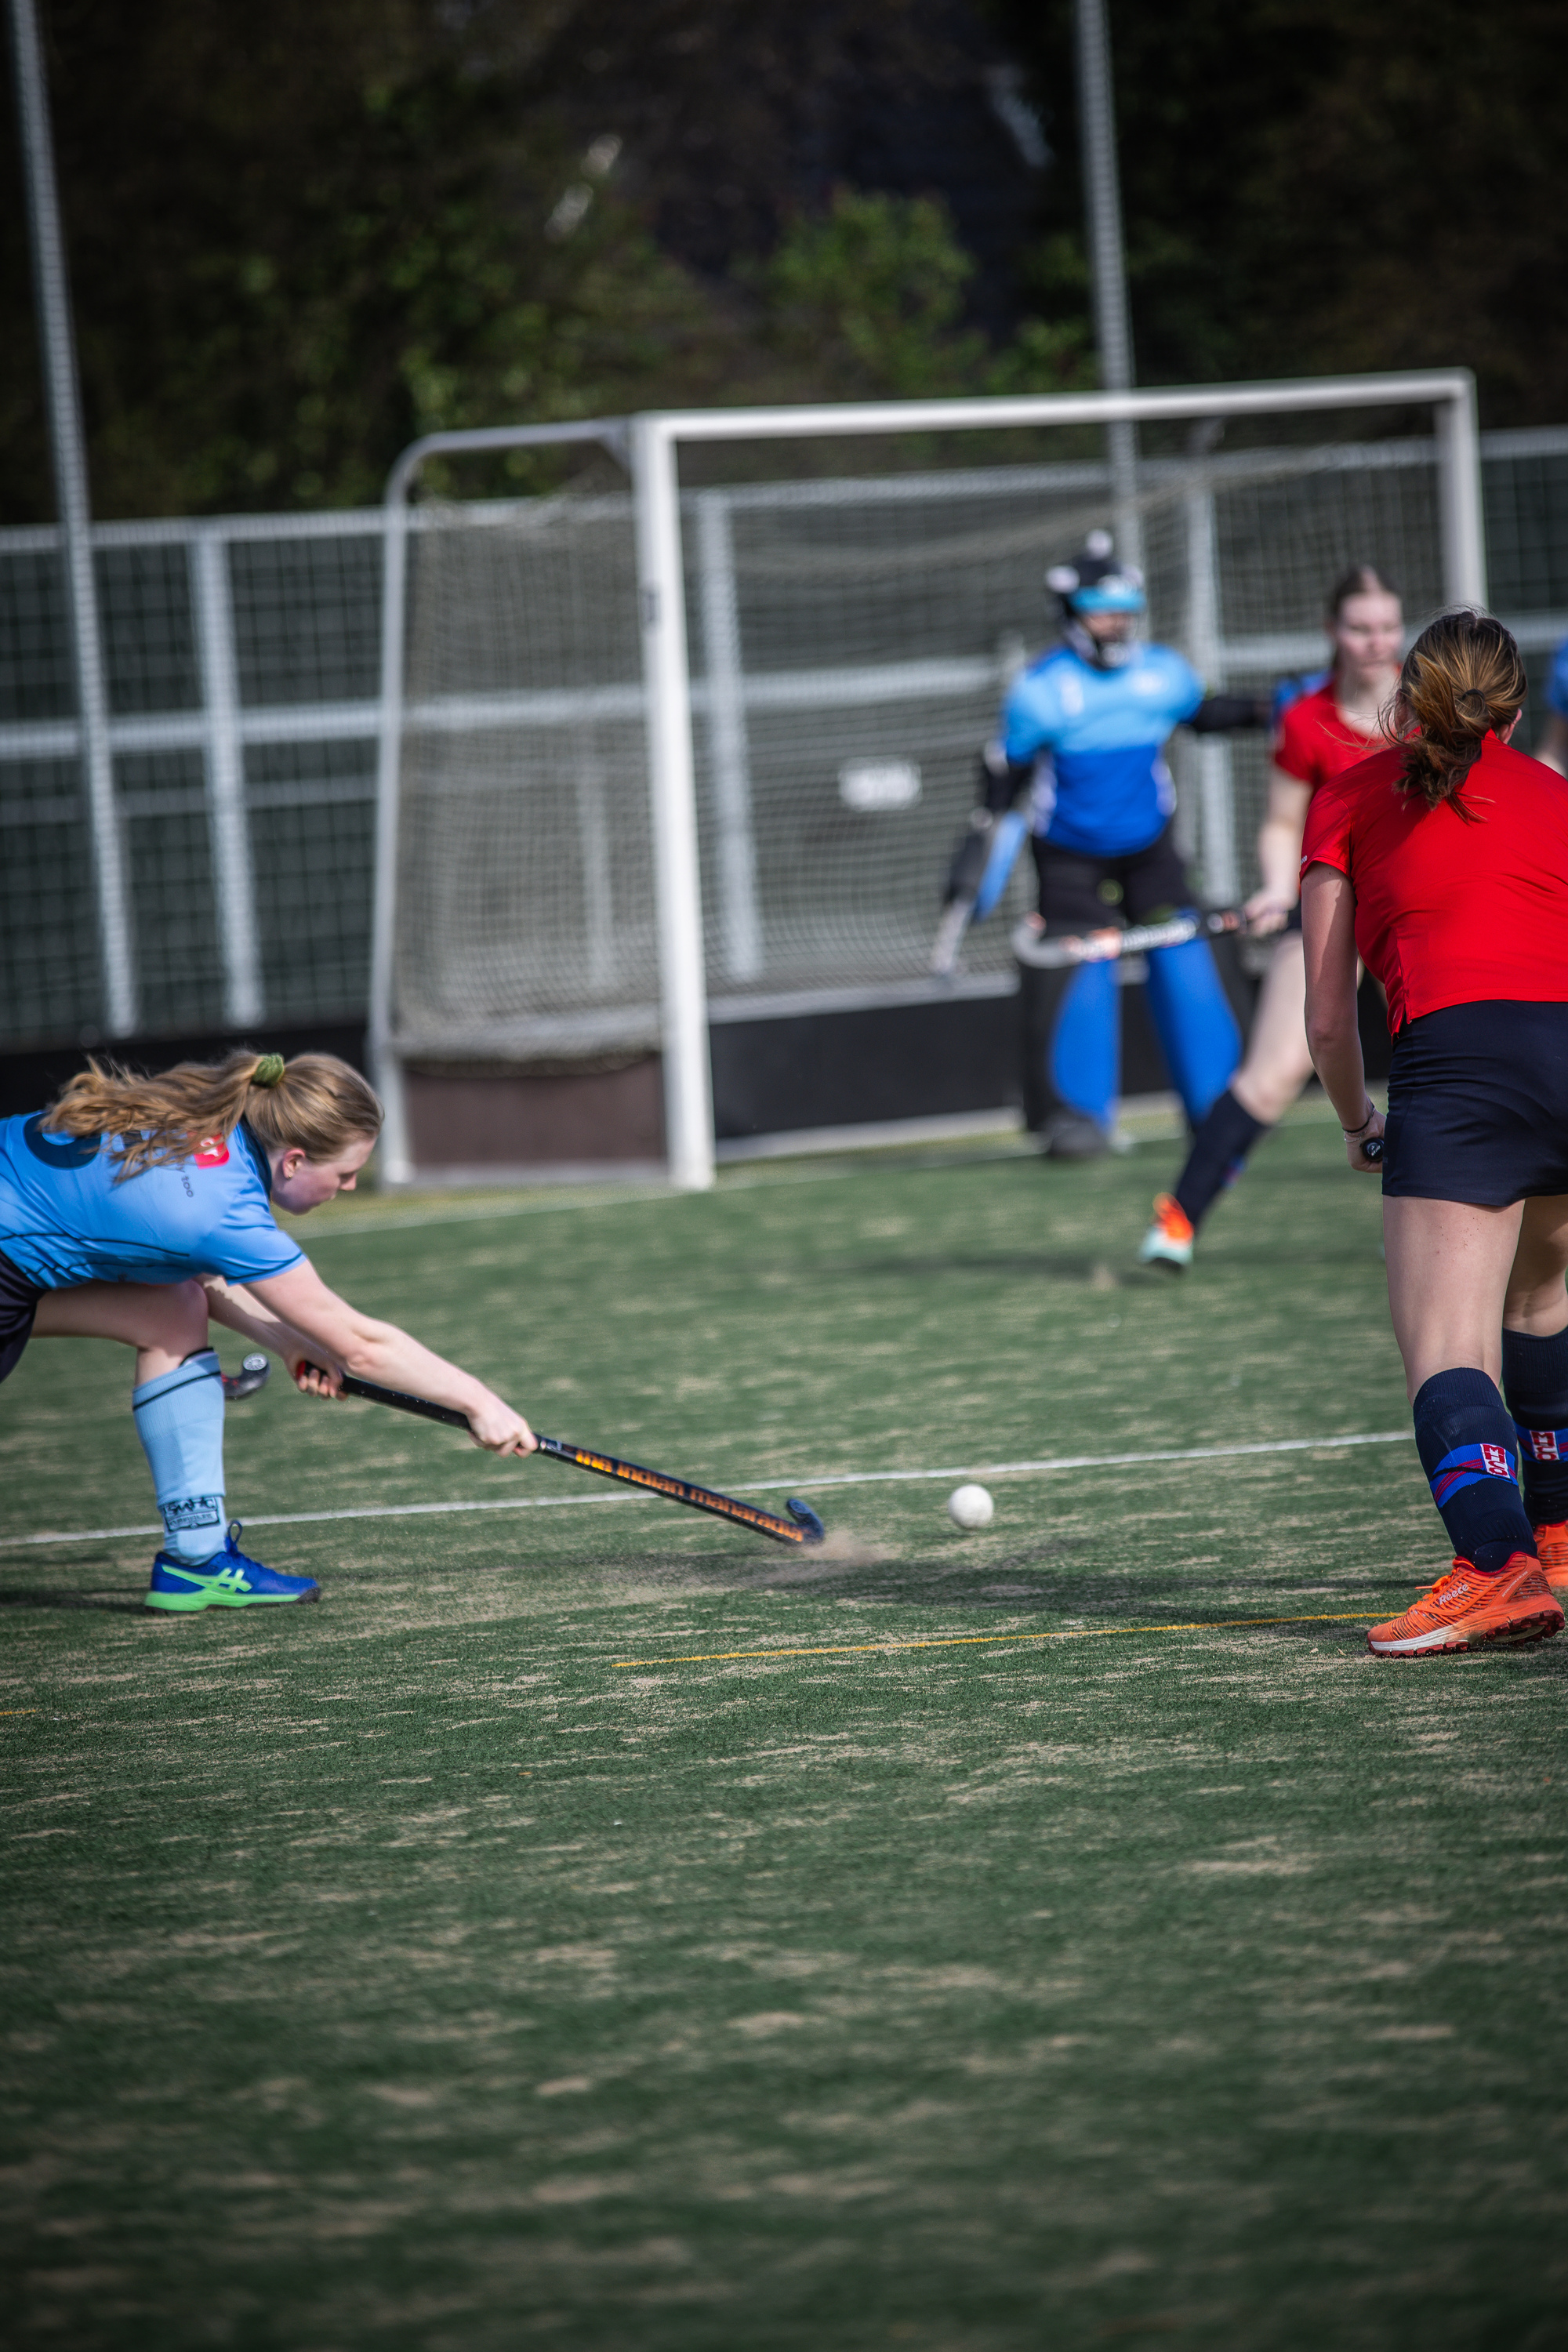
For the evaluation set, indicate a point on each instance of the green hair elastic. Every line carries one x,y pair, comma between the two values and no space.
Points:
268,1071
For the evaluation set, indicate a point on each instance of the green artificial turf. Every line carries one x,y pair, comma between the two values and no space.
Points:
411,1972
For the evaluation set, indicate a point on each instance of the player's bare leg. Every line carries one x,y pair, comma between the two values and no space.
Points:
165,1322
1276,1064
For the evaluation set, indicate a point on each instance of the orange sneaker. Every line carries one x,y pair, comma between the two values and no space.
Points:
1465,1611
1552,1543
1168,1240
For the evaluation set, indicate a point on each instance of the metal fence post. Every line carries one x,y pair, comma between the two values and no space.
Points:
735,848
387,1069
233,870
1216,783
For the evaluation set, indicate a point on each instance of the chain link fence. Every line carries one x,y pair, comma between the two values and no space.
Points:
244,659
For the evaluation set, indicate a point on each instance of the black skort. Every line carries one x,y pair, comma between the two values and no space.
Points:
1477,1104
1078,892
19,1297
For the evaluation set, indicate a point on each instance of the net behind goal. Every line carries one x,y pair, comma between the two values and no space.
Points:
699,751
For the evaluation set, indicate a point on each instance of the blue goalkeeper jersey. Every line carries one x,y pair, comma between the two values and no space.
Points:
65,1220
1096,735
1557,684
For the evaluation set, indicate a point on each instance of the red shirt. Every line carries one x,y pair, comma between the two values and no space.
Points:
1448,912
1314,741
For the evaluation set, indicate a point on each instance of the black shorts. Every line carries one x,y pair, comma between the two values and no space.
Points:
1078,892
20,1300
1477,1104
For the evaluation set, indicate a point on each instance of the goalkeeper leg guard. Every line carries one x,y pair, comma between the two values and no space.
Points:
1072,1056
1195,1026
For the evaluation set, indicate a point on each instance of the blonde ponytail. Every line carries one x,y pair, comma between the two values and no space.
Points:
314,1103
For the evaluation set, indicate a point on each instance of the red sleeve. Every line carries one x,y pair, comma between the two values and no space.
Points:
1295,749
1327,838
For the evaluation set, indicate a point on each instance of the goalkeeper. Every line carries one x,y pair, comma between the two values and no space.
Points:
1083,731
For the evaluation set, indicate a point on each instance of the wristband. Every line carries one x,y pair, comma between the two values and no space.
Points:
1350,1133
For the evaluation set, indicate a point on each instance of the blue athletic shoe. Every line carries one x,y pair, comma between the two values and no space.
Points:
228,1581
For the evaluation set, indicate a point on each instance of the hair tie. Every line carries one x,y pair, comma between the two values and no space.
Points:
268,1071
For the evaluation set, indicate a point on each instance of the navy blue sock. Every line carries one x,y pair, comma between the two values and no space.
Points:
1535,1382
1223,1140
1466,1445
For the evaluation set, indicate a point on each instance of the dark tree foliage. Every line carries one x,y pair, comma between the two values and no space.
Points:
301,234
1314,186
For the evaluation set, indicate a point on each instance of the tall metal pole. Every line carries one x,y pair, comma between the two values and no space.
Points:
64,396
1108,273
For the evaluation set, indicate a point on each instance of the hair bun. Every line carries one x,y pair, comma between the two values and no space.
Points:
268,1071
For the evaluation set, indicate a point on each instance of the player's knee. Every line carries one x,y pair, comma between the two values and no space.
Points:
182,1315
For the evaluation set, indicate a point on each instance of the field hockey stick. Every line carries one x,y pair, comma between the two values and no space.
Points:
974,893
803,1526
252,1374
1046,954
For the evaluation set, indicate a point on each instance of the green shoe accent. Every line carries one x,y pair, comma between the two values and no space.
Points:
228,1581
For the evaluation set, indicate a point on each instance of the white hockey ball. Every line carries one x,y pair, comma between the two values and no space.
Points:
969,1506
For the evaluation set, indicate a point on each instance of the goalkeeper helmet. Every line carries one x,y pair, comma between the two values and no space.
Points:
1094,582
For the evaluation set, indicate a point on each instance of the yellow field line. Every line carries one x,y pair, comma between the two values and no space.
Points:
997,1641
19,1710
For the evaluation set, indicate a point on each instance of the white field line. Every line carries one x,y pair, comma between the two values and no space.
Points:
762,1486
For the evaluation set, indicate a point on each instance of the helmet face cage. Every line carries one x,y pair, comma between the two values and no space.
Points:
1093,583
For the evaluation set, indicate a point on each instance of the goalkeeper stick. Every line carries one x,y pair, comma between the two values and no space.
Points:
982,868
803,1526
1045,954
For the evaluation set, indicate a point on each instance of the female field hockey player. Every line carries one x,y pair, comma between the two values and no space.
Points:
1322,731
136,1207
1445,860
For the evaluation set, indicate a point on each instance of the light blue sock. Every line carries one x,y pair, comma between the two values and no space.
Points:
179,1419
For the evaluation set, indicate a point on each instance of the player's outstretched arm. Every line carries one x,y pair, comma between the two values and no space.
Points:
1226,714
1279,851
335,1335
238,1310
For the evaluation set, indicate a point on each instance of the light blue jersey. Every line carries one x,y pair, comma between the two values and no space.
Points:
1557,684
65,1220
1102,786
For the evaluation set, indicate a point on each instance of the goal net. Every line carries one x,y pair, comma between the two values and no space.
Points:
855,608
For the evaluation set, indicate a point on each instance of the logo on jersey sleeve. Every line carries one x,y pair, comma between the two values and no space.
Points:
59,1151
212,1152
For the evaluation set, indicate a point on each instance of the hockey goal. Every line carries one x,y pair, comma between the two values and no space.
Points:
695,749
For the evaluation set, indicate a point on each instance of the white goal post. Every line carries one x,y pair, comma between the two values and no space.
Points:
467,964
